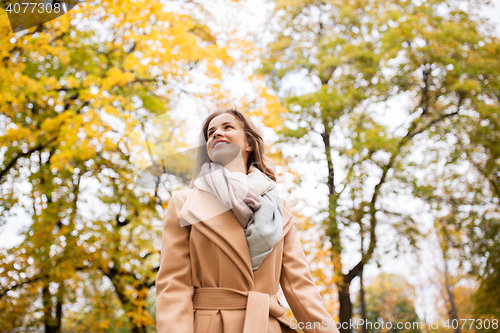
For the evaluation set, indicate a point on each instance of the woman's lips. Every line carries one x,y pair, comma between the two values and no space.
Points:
220,143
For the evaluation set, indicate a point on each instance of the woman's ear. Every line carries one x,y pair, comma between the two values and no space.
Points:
249,147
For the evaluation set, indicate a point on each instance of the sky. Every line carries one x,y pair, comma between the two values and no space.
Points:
493,13
254,19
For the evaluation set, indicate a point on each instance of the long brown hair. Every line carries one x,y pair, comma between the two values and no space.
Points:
257,155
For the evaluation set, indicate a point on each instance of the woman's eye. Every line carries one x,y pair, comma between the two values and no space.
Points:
227,126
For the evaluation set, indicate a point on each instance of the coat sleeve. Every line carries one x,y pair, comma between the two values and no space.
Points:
174,287
299,289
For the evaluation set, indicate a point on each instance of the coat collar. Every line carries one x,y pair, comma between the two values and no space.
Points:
210,217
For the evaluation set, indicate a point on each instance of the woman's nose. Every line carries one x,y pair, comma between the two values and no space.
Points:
217,133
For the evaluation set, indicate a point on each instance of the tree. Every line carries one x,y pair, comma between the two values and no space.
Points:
389,298
455,303
459,177
351,56
71,94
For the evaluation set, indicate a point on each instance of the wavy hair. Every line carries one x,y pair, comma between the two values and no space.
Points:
256,157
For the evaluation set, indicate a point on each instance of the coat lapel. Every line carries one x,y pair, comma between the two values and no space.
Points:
218,223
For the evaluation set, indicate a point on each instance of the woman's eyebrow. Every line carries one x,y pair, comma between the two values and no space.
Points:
211,128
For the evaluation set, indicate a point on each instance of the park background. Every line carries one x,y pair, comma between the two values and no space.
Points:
381,116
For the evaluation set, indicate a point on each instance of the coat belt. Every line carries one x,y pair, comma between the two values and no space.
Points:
258,305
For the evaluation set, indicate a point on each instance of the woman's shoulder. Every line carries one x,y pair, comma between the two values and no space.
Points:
182,194
179,197
284,203
289,219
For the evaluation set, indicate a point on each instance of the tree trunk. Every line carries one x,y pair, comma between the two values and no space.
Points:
345,311
333,232
116,279
52,324
453,312
362,301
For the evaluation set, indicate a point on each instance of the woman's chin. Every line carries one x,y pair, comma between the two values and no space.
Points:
225,154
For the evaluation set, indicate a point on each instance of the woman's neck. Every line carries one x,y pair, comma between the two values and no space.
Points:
237,165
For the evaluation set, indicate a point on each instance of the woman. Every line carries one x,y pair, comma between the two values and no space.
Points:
228,241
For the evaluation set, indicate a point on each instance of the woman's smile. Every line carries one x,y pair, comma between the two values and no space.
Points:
219,143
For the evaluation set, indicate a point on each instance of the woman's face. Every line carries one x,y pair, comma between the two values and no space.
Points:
226,139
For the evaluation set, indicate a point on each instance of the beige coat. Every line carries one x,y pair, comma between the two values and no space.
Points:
206,284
